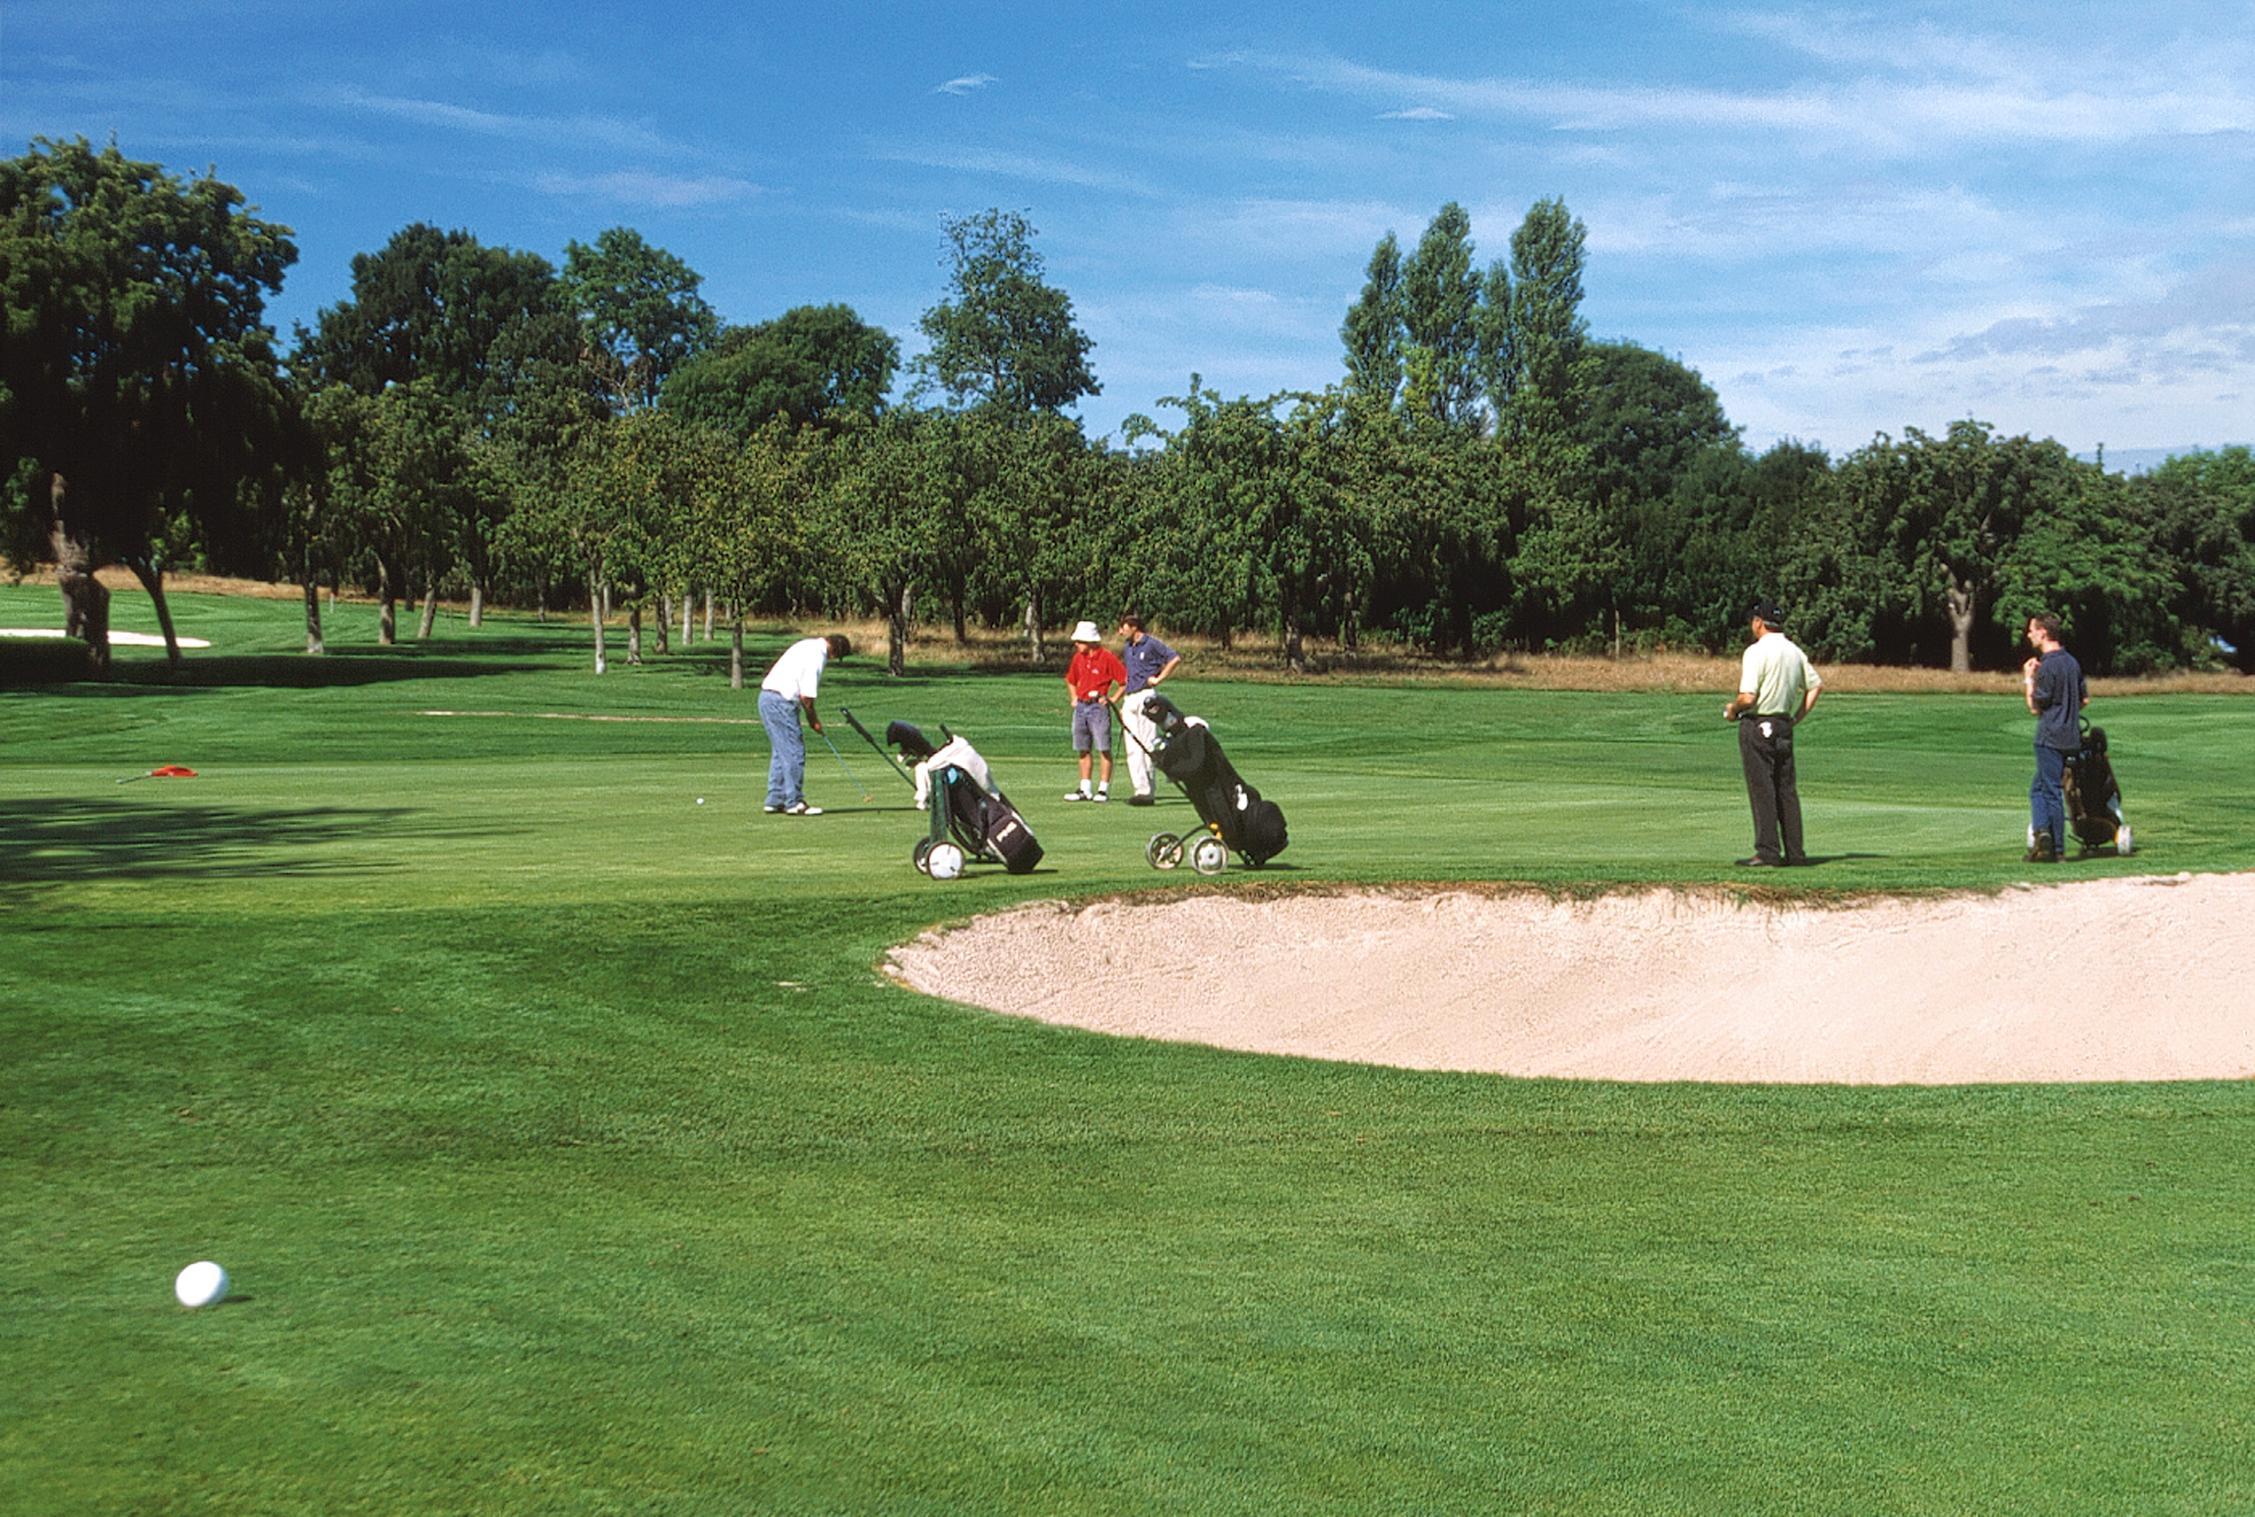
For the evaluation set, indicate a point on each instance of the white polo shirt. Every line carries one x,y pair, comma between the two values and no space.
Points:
1777,674
798,673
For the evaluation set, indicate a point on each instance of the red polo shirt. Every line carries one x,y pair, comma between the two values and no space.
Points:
1094,667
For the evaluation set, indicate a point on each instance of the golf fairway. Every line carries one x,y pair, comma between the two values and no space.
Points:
567,1152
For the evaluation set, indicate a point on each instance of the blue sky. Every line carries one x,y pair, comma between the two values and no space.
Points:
1848,220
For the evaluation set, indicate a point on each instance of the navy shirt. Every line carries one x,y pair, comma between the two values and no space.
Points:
1144,658
2059,702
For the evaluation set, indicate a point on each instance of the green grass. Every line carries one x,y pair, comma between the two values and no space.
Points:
569,1155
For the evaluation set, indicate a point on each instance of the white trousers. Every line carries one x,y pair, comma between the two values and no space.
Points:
1143,736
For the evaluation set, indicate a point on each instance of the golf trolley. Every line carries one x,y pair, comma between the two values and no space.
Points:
2094,799
972,822
1236,818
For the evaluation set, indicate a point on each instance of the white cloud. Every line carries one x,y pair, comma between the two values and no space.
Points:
1880,114
965,83
1416,113
586,131
659,191
1018,166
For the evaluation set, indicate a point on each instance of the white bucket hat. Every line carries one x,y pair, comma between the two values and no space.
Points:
1086,632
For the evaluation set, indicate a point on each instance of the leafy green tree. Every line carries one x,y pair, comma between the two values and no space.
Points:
1441,327
882,531
2199,509
1548,380
443,307
813,365
1647,418
403,474
1006,337
138,380
1563,559
1945,513
1373,329
639,312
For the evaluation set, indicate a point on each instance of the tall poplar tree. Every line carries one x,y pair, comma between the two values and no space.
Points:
1373,328
1440,302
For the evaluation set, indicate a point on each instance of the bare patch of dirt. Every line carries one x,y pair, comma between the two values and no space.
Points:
2140,979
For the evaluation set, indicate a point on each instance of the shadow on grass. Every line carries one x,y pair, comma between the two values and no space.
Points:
66,841
67,675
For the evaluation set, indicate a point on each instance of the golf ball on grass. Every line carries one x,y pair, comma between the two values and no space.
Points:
200,1284
700,800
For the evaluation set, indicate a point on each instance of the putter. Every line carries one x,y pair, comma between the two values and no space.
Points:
867,737
841,758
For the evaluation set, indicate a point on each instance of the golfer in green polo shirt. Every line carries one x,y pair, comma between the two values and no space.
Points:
1777,687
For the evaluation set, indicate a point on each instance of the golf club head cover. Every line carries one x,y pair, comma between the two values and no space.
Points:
909,739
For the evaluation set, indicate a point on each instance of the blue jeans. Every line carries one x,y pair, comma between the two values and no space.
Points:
786,765
2047,804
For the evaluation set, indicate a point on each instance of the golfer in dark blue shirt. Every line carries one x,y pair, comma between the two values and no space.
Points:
1149,662
2053,683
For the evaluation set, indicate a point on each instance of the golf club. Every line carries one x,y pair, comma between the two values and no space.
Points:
841,758
870,738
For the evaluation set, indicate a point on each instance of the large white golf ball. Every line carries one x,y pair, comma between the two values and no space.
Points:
200,1284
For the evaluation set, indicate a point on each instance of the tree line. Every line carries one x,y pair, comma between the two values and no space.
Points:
475,421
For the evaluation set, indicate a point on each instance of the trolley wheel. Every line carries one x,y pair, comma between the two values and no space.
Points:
944,862
921,855
2124,844
1209,855
1164,851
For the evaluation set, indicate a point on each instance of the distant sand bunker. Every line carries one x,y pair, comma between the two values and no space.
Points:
2136,979
119,639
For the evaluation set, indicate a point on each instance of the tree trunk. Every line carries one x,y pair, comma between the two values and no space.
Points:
1616,634
152,580
955,603
595,616
688,599
896,633
86,601
735,649
430,615
1350,630
634,633
708,616
387,620
477,603
313,643
1960,598
663,629
1295,659
1033,625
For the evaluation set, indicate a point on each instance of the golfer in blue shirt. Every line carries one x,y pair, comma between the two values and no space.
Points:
1149,662
2052,681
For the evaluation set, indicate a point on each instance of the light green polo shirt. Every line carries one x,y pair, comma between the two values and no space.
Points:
1777,674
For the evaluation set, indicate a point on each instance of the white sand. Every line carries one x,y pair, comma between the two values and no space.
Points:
2124,979
119,639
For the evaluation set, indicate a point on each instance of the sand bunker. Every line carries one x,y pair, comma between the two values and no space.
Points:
117,639
2137,979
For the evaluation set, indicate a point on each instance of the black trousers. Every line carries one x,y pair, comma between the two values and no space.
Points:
1765,749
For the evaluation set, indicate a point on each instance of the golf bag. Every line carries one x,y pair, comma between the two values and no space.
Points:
2094,799
1191,756
966,805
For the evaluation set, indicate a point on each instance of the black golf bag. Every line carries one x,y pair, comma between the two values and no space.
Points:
1191,756
2094,799
982,822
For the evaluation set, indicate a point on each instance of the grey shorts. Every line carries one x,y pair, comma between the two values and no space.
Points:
1092,727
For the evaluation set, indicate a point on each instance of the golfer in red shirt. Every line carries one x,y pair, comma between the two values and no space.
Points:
1091,678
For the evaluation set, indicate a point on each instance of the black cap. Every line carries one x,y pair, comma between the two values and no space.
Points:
909,739
1769,611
